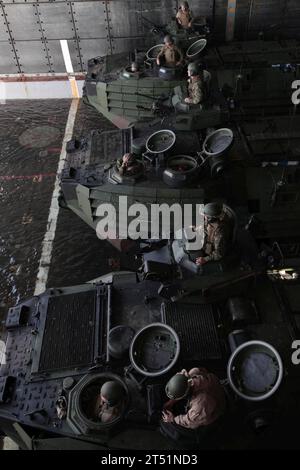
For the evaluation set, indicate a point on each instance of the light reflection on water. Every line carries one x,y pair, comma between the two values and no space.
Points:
24,198
27,178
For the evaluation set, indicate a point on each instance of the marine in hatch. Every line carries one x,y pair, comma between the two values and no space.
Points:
184,16
110,402
128,165
170,55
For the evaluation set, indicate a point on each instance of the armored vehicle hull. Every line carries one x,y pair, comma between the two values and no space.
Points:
126,97
259,172
62,345
247,79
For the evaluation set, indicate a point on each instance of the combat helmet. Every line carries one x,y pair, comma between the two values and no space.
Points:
194,69
213,209
177,387
168,39
112,391
185,5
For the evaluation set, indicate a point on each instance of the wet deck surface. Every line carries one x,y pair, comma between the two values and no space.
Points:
31,136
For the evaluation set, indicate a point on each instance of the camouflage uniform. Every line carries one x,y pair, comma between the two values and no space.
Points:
184,18
217,237
206,402
195,91
172,55
199,413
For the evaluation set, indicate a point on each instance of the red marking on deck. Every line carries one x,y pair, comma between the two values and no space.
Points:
38,177
54,149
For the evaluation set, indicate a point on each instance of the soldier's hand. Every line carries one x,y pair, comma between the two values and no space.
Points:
187,100
167,416
126,159
158,61
201,261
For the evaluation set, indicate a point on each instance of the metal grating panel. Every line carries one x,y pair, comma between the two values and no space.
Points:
109,145
68,339
195,326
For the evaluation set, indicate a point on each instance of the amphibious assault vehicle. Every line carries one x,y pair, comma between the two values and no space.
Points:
244,80
126,97
174,168
254,165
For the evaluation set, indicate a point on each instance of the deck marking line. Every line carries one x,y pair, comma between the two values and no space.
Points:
69,68
47,245
2,352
